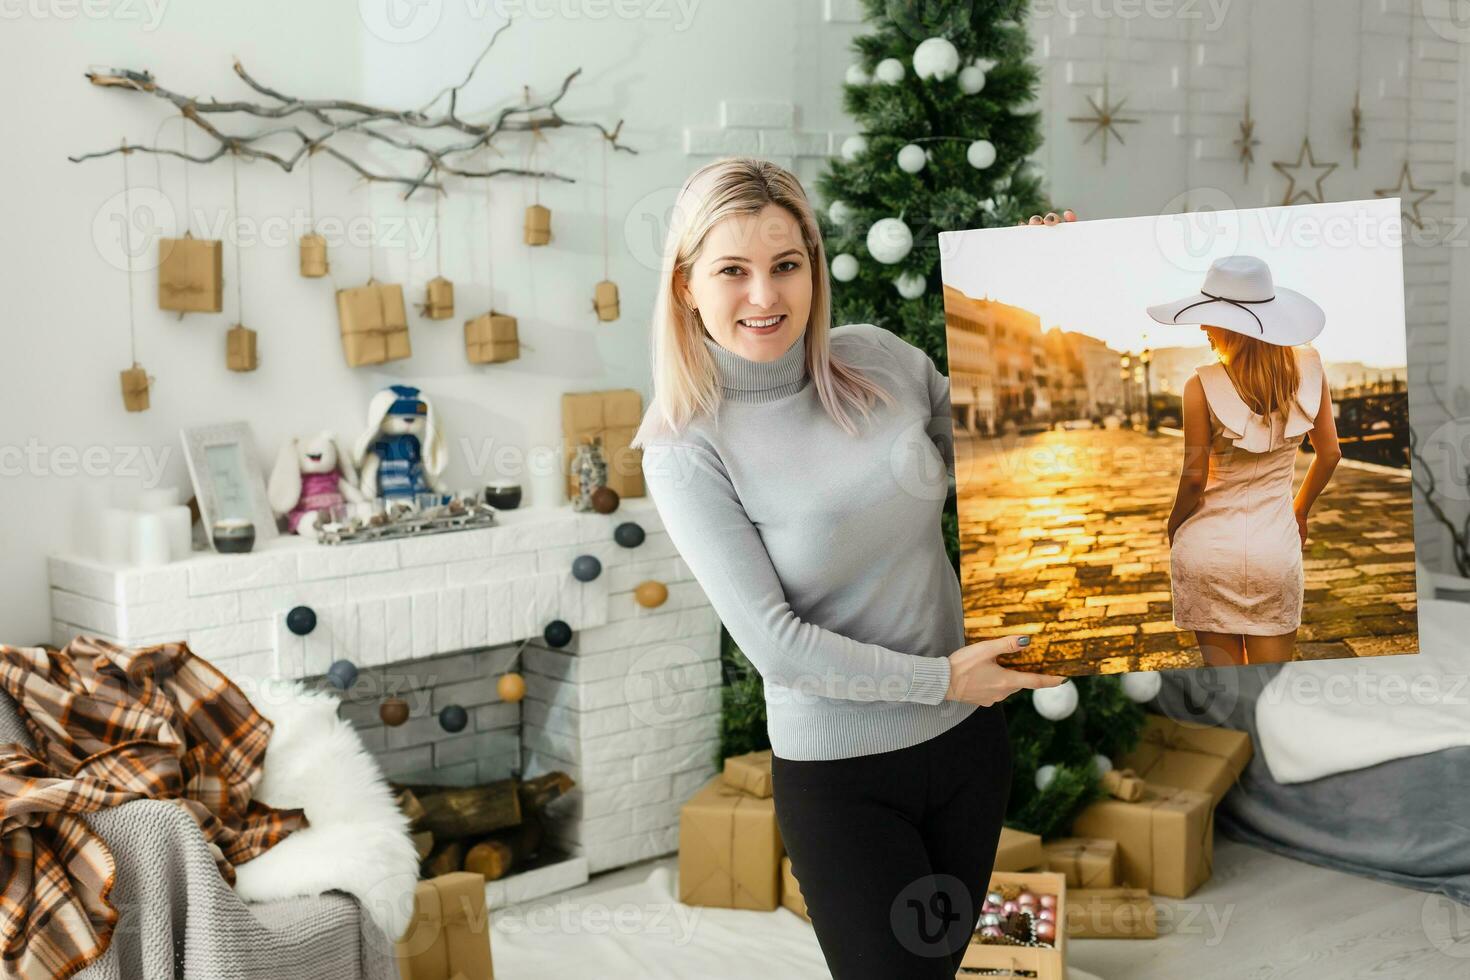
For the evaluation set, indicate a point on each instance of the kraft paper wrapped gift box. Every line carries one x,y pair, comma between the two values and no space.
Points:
1111,913
1035,962
1084,862
1018,851
1205,758
750,772
1166,838
729,849
190,279
614,416
791,890
450,932
374,324
492,338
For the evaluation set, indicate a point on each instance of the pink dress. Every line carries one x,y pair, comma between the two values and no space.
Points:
319,491
1236,562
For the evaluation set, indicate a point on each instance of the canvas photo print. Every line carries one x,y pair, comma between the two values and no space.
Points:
1183,441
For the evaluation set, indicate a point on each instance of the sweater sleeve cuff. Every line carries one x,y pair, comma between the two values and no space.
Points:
931,680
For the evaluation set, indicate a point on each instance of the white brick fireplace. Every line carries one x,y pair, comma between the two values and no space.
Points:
630,708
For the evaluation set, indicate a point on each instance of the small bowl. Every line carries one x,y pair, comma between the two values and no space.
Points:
233,535
503,496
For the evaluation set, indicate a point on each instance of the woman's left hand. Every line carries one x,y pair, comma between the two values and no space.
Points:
1050,219
1301,529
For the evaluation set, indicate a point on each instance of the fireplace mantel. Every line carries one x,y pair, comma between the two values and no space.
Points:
629,708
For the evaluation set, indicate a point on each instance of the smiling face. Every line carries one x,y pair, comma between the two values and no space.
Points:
752,283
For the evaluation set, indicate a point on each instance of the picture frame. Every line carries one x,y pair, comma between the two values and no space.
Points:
228,482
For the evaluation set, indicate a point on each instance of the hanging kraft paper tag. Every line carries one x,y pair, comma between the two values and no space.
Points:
190,275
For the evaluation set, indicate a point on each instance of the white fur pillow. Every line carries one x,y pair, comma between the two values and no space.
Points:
357,841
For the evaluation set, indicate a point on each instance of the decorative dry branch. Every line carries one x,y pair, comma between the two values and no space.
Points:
339,116
1422,478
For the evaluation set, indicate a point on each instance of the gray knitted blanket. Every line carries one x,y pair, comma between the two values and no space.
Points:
179,918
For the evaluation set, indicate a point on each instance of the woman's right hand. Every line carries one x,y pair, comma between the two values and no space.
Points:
975,677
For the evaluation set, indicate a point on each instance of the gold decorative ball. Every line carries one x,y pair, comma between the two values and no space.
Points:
605,500
393,711
512,687
651,594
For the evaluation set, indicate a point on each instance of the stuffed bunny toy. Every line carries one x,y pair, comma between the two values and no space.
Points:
402,451
311,475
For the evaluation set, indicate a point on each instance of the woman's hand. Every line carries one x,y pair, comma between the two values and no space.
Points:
1050,219
975,677
1301,528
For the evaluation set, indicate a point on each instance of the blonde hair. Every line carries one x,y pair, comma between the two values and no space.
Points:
685,378
1265,375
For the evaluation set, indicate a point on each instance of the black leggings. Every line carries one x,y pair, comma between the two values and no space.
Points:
893,851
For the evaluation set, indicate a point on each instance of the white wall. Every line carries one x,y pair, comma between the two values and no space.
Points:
691,79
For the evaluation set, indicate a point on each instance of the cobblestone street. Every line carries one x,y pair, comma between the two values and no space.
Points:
1063,536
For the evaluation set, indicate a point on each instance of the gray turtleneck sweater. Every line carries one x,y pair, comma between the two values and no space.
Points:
822,552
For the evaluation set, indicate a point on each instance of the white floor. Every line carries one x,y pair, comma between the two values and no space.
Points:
1261,916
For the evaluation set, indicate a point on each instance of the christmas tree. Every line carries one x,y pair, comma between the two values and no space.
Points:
940,92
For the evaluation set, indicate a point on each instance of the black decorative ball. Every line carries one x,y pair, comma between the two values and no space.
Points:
301,620
586,568
628,534
453,718
342,674
557,633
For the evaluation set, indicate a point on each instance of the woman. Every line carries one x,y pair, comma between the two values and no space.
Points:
816,536
1235,534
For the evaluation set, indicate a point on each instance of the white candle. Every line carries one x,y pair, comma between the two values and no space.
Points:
150,539
158,498
116,545
177,520
548,482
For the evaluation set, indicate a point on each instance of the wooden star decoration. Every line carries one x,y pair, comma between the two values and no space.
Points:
1305,160
1356,131
1104,119
1247,141
1406,183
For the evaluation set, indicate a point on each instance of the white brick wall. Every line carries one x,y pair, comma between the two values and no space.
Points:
630,708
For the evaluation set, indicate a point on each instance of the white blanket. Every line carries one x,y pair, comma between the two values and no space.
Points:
1320,717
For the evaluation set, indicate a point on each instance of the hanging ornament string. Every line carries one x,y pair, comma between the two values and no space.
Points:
606,257
489,239
438,234
1188,118
235,193
128,253
372,235
311,189
158,165
1357,116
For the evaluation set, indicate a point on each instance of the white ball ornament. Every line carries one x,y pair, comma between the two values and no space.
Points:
840,212
1055,703
981,154
890,241
972,80
845,267
889,71
911,158
1144,685
1044,777
858,75
1102,765
910,285
854,147
936,58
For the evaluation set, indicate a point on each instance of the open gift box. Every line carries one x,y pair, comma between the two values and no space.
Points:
1032,962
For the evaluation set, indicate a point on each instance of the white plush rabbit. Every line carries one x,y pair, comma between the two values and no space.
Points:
401,453
311,475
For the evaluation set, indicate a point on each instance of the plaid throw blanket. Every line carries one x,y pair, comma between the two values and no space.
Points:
113,724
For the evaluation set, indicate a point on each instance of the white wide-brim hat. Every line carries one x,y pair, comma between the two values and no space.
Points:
1239,295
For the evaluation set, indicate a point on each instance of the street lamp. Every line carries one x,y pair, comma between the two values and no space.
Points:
1123,374
1148,398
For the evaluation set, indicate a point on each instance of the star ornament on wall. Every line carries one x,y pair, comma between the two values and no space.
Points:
1104,119
1304,170
1409,195
1247,141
